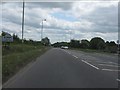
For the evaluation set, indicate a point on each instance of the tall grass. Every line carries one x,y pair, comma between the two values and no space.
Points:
17,56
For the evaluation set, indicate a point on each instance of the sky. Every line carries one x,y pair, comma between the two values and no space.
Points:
64,20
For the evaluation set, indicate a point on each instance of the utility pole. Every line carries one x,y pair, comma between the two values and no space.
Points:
23,22
118,46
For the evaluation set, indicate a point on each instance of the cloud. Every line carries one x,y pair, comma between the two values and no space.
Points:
77,20
61,5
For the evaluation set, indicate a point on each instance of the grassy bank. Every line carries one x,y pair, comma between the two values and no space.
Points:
92,51
17,56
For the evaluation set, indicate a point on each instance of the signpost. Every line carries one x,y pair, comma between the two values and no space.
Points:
7,38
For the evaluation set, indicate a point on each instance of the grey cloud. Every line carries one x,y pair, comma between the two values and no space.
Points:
62,5
7,30
11,13
11,31
13,19
104,19
105,29
31,19
56,31
12,4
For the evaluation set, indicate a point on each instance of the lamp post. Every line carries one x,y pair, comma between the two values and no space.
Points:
70,34
42,28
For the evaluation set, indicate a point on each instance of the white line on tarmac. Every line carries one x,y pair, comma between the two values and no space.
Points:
90,64
108,65
103,62
74,56
110,70
69,53
118,80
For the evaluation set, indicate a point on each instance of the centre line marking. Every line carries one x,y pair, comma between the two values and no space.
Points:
110,70
109,65
75,56
90,64
118,80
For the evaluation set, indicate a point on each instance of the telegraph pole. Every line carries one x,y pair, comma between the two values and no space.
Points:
118,46
23,22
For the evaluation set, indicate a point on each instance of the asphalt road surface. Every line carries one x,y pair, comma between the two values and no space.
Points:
60,68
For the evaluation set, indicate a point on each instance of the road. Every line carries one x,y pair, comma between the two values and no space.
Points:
60,68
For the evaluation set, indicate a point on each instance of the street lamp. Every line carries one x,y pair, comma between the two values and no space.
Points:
70,34
42,28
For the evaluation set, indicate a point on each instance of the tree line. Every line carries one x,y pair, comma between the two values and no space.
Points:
16,40
95,43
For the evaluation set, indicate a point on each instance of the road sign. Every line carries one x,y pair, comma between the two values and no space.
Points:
7,38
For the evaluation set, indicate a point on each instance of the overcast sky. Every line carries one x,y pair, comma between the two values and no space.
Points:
65,20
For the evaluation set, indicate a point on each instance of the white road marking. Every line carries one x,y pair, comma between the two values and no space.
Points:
113,62
102,62
69,53
90,64
109,62
108,65
110,70
118,80
74,56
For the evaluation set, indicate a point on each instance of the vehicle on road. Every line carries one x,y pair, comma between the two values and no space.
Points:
64,47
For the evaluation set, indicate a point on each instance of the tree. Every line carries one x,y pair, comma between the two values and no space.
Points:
84,44
75,43
3,33
59,44
111,47
45,41
15,37
56,44
97,43
112,43
107,43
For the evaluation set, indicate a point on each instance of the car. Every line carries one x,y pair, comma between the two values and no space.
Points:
64,47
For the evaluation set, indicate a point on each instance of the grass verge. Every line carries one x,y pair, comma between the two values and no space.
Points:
92,51
18,58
